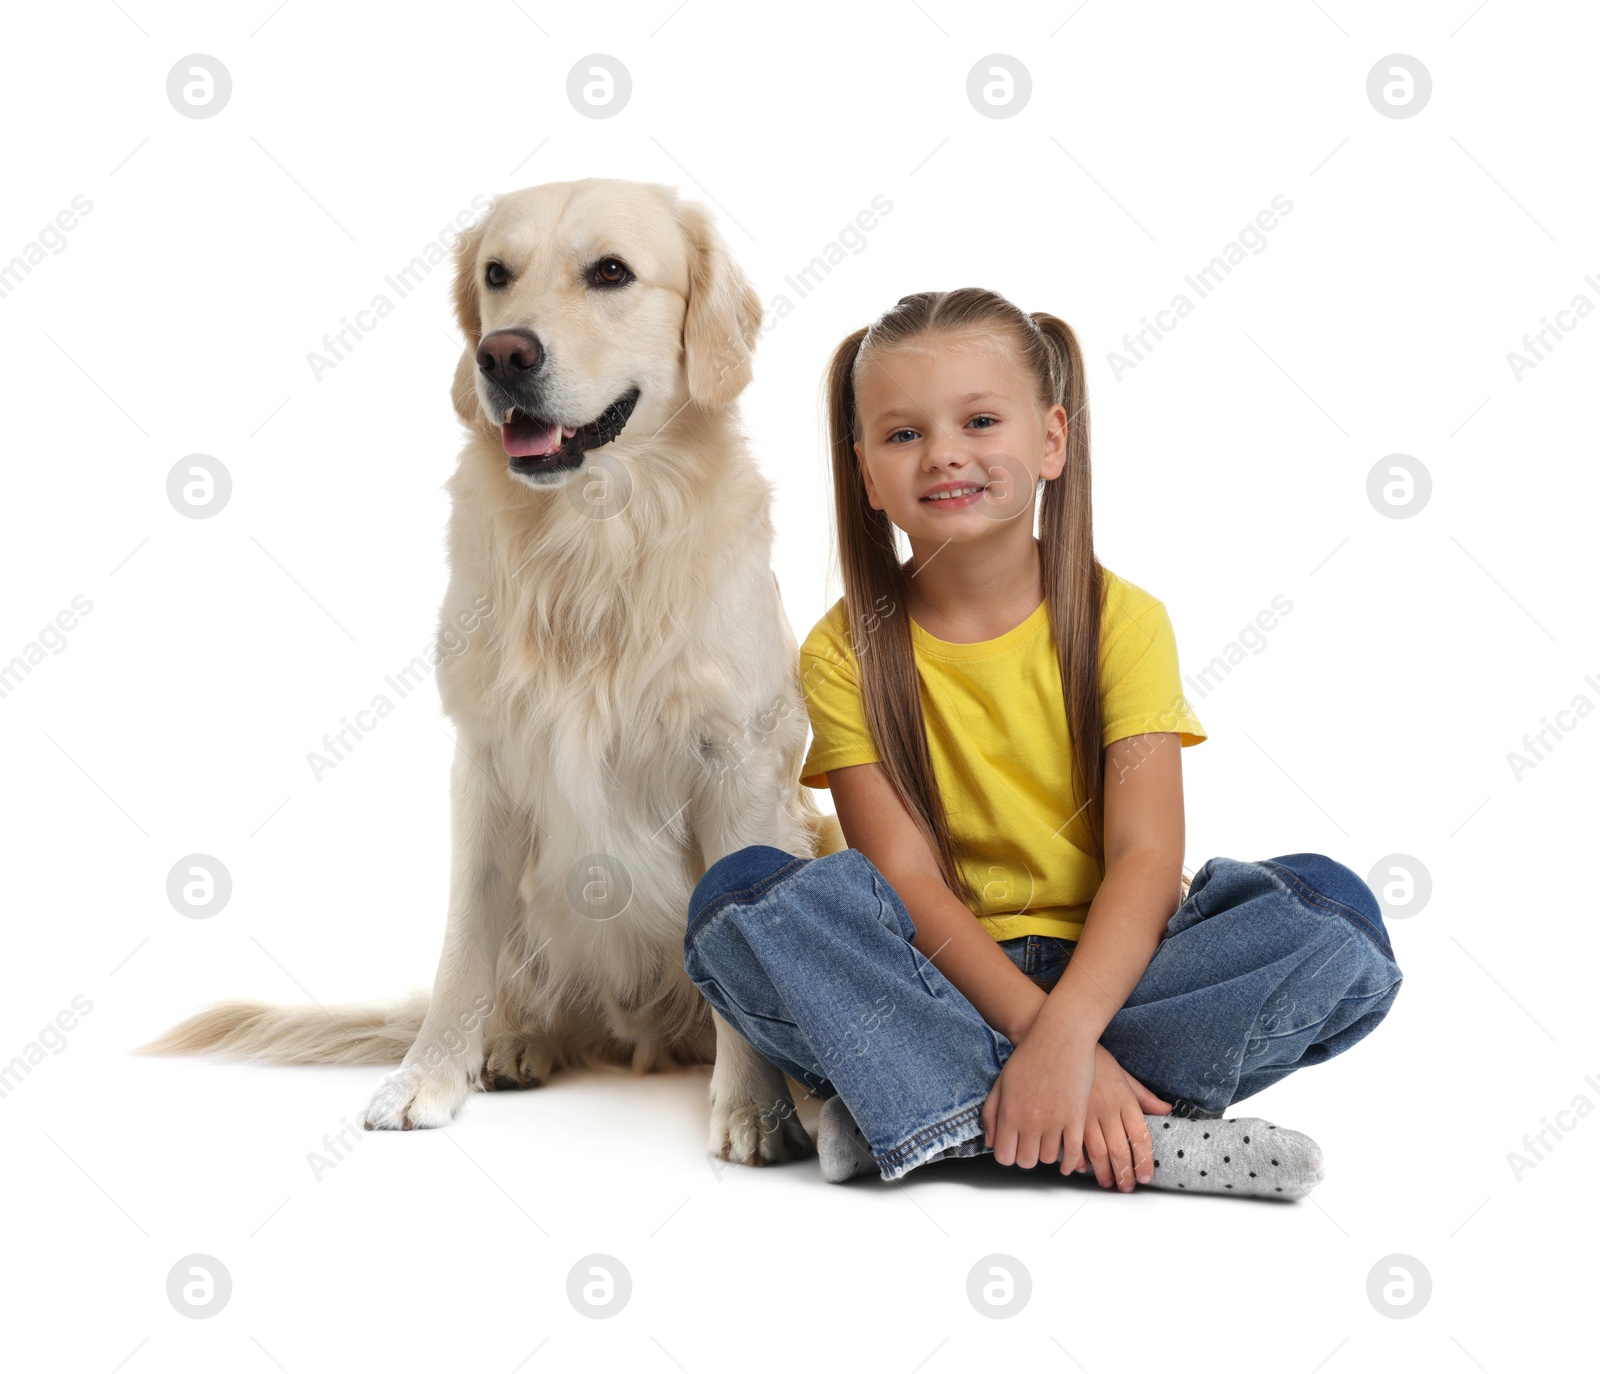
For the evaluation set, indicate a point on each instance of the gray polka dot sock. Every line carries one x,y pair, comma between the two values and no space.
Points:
1241,1155
842,1150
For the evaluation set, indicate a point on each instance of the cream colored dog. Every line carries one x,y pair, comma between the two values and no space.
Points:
615,655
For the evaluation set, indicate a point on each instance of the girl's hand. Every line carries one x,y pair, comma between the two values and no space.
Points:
1038,1106
1115,1136
1068,1100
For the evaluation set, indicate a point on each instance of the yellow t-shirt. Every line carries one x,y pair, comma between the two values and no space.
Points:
997,732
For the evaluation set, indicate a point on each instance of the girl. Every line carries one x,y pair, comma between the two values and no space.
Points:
1009,958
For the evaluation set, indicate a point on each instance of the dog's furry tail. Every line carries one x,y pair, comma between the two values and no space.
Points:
372,1033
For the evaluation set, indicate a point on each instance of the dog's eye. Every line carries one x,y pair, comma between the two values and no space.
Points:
610,272
495,274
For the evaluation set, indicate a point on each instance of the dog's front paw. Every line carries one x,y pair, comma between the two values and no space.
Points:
754,1133
412,1099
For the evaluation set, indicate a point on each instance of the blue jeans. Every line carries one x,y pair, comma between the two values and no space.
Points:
1266,967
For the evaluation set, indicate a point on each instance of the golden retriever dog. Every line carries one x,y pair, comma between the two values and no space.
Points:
622,676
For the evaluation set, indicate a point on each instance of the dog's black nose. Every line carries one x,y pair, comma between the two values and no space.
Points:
506,354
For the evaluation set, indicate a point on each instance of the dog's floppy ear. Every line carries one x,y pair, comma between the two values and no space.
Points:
723,317
464,385
464,389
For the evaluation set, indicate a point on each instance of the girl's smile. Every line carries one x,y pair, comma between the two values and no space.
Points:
954,495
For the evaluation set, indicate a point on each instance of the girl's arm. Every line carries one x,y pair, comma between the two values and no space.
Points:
949,935
1137,896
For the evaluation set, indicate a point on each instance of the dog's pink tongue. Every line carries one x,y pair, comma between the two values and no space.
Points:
524,438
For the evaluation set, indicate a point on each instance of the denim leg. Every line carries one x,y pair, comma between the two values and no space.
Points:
737,878
812,961
1266,968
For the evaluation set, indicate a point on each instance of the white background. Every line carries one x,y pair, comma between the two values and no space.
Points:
1230,466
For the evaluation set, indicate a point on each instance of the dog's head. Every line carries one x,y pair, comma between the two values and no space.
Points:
593,307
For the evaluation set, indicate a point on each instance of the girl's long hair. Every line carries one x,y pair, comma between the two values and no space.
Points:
875,581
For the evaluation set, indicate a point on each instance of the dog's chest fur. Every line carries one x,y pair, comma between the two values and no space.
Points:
622,671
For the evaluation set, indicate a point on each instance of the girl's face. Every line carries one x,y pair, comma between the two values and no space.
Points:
955,413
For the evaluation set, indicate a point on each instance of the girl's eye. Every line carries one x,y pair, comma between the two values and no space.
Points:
992,421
